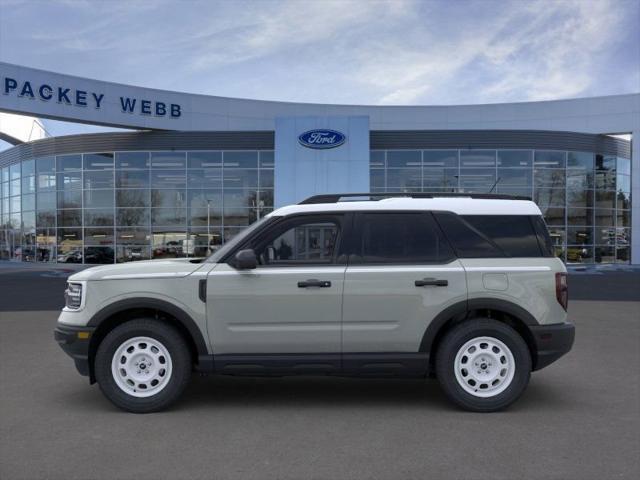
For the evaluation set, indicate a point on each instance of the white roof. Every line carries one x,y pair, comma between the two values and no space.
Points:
459,205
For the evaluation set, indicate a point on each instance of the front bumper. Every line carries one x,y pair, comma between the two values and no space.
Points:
75,343
552,342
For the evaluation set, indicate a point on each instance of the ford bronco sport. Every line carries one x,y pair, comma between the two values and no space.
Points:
461,287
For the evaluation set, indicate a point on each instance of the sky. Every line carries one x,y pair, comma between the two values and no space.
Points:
393,52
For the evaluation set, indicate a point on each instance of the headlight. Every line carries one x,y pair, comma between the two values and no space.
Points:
73,296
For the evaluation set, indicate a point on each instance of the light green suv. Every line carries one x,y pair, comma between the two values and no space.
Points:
461,287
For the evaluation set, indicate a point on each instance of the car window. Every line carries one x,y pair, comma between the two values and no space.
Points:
302,241
514,234
467,241
401,238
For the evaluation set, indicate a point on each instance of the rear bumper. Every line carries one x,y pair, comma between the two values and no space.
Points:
552,342
75,343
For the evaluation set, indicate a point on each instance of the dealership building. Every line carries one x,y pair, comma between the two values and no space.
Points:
194,170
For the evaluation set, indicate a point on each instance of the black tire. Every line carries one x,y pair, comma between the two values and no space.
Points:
177,348
456,338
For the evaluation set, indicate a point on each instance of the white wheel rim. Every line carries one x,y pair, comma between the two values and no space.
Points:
141,367
484,367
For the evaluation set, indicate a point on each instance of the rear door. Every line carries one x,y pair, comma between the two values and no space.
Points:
402,273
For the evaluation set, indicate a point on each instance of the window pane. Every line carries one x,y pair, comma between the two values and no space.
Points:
404,178
132,253
98,236
98,217
623,183
582,160
580,216
402,238
549,178
205,178
168,179
46,218
133,198
623,200
132,160
98,199
376,159
204,241
168,160
440,159
29,202
70,199
46,201
69,162
133,236
605,218
514,234
477,158
266,159
623,166
580,198
605,163
514,176
132,179
169,217
547,197
240,198
239,178
70,180
605,254
549,159
28,168
46,181
98,161
45,165
605,236
466,242
240,159
98,179
312,242
579,254
70,218
98,255
132,216
204,159
376,178
168,198
580,235
440,178
266,179
477,179
404,158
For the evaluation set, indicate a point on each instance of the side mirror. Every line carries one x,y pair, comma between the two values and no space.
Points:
245,260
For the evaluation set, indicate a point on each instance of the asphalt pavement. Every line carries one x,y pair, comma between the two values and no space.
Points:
579,418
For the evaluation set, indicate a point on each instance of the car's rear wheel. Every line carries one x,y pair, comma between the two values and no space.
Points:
483,365
143,365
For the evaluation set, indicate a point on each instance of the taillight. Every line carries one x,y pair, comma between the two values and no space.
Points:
562,290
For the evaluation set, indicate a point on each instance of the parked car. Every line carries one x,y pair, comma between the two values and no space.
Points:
462,288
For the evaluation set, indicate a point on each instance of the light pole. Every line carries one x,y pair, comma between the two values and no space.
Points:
209,226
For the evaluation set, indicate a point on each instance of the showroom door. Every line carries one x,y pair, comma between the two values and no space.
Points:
291,303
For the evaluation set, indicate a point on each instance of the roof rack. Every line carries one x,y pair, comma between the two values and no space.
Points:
336,197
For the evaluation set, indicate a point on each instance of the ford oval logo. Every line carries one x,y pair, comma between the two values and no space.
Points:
322,138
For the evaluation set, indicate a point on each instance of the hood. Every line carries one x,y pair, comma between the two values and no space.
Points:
164,268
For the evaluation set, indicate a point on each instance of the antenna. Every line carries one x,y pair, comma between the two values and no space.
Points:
494,185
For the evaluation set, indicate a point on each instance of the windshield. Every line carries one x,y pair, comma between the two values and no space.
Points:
239,238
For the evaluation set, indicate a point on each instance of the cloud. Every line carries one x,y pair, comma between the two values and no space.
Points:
338,51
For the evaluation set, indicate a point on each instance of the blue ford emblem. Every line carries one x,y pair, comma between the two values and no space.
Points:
322,138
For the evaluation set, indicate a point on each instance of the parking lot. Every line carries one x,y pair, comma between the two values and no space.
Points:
579,418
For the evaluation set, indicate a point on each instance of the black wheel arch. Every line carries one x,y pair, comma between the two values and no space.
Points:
498,309
123,310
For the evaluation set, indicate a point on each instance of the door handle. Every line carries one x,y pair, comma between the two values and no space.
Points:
431,282
314,283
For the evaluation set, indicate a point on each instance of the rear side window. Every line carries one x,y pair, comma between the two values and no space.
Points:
544,239
400,238
467,241
513,234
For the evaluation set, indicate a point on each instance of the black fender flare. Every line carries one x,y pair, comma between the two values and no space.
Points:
155,304
460,310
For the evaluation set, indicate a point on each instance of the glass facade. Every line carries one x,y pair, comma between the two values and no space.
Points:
110,207
584,197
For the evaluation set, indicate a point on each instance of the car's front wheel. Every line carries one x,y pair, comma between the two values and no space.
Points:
143,365
483,365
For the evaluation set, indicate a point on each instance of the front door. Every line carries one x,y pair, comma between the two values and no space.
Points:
291,303
401,275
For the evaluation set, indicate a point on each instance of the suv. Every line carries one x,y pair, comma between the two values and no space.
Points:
465,288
